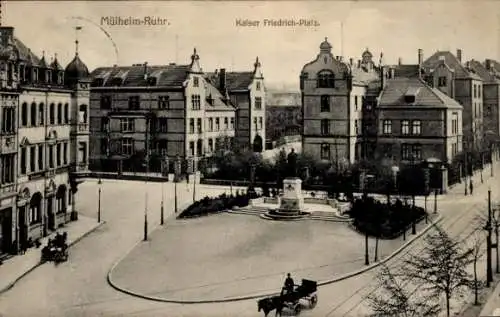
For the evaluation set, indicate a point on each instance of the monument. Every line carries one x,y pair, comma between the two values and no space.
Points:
291,204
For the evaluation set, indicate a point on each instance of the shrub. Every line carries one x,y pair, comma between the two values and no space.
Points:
209,205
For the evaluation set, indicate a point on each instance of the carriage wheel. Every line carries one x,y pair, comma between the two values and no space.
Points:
314,300
297,309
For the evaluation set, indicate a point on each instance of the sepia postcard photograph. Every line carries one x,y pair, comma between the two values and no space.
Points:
250,158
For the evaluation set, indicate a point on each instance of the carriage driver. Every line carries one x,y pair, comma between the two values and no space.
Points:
289,283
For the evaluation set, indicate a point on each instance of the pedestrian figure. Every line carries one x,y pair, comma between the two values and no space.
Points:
471,187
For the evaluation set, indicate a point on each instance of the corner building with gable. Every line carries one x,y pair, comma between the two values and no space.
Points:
43,141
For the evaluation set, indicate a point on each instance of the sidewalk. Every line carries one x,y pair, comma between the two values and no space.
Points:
15,268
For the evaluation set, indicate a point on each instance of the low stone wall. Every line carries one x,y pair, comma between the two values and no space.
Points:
271,200
256,201
319,201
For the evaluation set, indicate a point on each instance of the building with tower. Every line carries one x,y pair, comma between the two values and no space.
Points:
333,92
141,114
44,140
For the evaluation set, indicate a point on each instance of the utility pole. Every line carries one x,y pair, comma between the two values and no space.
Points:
367,260
489,273
465,173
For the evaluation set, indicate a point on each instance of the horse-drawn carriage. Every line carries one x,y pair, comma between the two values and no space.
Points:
56,250
291,300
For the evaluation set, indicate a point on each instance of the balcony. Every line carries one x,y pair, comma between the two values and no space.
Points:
8,144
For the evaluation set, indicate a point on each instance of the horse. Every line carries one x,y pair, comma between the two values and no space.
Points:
270,303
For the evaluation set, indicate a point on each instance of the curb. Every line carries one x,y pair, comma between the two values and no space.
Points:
12,284
263,294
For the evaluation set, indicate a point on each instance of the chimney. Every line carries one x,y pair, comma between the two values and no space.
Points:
459,55
420,56
392,73
488,64
383,76
341,58
400,61
222,79
467,65
145,68
7,34
351,61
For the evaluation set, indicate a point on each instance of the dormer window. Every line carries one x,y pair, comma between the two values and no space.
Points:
151,81
97,82
35,74
411,94
10,73
196,82
117,81
409,98
60,78
48,76
326,79
442,81
257,85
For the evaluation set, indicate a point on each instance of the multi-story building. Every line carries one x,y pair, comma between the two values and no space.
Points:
172,110
44,139
458,80
332,104
491,97
416,122
283,115
247,92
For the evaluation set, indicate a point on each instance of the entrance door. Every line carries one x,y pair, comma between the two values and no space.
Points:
6,230
23,227
50,213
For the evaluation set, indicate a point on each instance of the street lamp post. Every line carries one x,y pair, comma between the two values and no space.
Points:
488,228
162,215
435,200
99,183
177,171
194,179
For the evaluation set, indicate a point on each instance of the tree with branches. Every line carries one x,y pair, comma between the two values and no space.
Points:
393,300
476,244
442,267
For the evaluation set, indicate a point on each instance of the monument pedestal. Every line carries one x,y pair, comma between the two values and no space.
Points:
292,200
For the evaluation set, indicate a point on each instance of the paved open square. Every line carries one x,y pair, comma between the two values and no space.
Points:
228,255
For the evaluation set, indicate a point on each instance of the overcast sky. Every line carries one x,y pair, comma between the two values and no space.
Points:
397,28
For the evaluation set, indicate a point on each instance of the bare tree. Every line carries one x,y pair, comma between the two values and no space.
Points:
393,300
442,267
478,251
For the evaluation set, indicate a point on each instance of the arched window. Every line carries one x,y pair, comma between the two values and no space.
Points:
33,114
41,114
61,199
325,79
83,113
59,113
52,113
24,114
35,208
66,113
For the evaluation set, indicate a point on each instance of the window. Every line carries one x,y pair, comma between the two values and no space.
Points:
35,74
41,114
325,103
199,125
191,148
442,81
325,151
66,113
411,151
65,153
105,124
356,102
356,128
32,159
387,126
52,113
134,102
475,90
256,127
260,123
232,123
257,85
58,154
127,146
303,78
40,158
199,147
226,123
59,113
104,146
416,127
51,156
479,89
7,164
105,102
24,114
195,102
8,119
33,114
405,127
217,124
325,127
163,102
454,123
162,125
191,125
162,147
210,145
210,124
258,103
196,82
23,160
326,79
82,113
127,125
